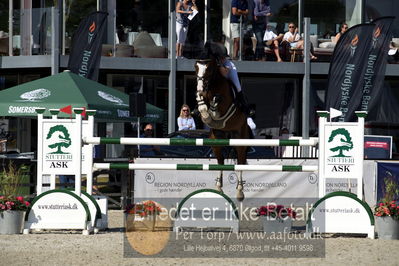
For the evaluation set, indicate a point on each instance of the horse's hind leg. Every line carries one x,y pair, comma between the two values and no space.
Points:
241,159
219,180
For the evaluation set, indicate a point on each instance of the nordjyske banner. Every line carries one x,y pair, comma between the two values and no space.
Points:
347,68
85,55
373,79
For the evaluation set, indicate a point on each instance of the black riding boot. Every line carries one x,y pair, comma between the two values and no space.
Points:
243,104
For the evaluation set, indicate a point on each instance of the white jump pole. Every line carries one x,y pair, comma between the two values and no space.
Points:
78,151
89,155
39,185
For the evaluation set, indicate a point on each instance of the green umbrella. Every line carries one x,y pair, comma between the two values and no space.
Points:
67,90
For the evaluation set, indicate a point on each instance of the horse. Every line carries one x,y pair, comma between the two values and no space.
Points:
218,110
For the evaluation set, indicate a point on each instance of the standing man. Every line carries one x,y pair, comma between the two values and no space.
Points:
238,8
261,12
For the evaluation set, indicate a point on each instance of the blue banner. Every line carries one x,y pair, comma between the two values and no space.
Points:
386,172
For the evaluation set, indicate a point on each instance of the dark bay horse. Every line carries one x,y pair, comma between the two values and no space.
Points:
219,111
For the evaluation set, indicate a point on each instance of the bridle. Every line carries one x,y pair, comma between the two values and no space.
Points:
204,78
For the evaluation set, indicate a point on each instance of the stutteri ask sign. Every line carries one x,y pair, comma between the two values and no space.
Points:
59,138
344,150
58,143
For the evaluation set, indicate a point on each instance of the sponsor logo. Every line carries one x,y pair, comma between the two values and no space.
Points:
22,109
111,98
35,95
312,178
376,35
342,141
92,28
354,43
232,178
149,178
123,113
59,138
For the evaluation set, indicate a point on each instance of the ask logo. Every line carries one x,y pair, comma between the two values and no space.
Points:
340,143
59,137
58,141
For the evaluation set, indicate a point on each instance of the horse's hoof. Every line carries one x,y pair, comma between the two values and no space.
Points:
240,195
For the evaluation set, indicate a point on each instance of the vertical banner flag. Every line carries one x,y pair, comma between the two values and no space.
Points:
85,55
373,82
347,67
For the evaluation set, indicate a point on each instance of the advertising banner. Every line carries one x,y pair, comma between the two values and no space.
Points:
377,147
387,174
150,184
85,55
347,68
373,79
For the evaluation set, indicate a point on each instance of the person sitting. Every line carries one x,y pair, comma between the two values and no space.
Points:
185,121
272,41
148,150
344,27
228,70
294,39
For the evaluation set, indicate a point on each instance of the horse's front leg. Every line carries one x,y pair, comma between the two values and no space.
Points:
241,159
219,180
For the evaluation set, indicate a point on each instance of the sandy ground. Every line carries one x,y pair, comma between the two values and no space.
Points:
106,248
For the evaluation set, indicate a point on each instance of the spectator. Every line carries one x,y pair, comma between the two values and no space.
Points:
272,41
183,9
148,150
238,8
185,121
344,27
294,39
261,12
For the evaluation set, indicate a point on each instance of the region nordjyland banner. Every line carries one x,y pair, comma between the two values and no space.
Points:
85,55
347,68
373,81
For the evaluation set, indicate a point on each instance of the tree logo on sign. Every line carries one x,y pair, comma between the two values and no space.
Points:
59,137
341,141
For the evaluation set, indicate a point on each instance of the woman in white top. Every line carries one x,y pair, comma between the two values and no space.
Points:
292,36
185,120
183,9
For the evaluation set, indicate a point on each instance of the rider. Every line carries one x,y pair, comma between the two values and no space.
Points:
229,71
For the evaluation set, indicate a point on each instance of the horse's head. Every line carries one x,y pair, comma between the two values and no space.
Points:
205,70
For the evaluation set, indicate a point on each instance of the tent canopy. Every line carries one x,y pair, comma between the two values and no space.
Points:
66,91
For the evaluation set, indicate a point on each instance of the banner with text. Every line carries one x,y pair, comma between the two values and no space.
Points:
373,81
85,55
178,184
347,68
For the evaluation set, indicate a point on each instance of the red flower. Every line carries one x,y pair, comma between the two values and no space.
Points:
20,199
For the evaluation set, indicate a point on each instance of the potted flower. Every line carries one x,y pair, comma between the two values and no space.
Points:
387,211
276,218
141,216
12,214
12,207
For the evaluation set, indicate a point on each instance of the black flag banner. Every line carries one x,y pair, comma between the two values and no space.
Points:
85,55
347,68
373,81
